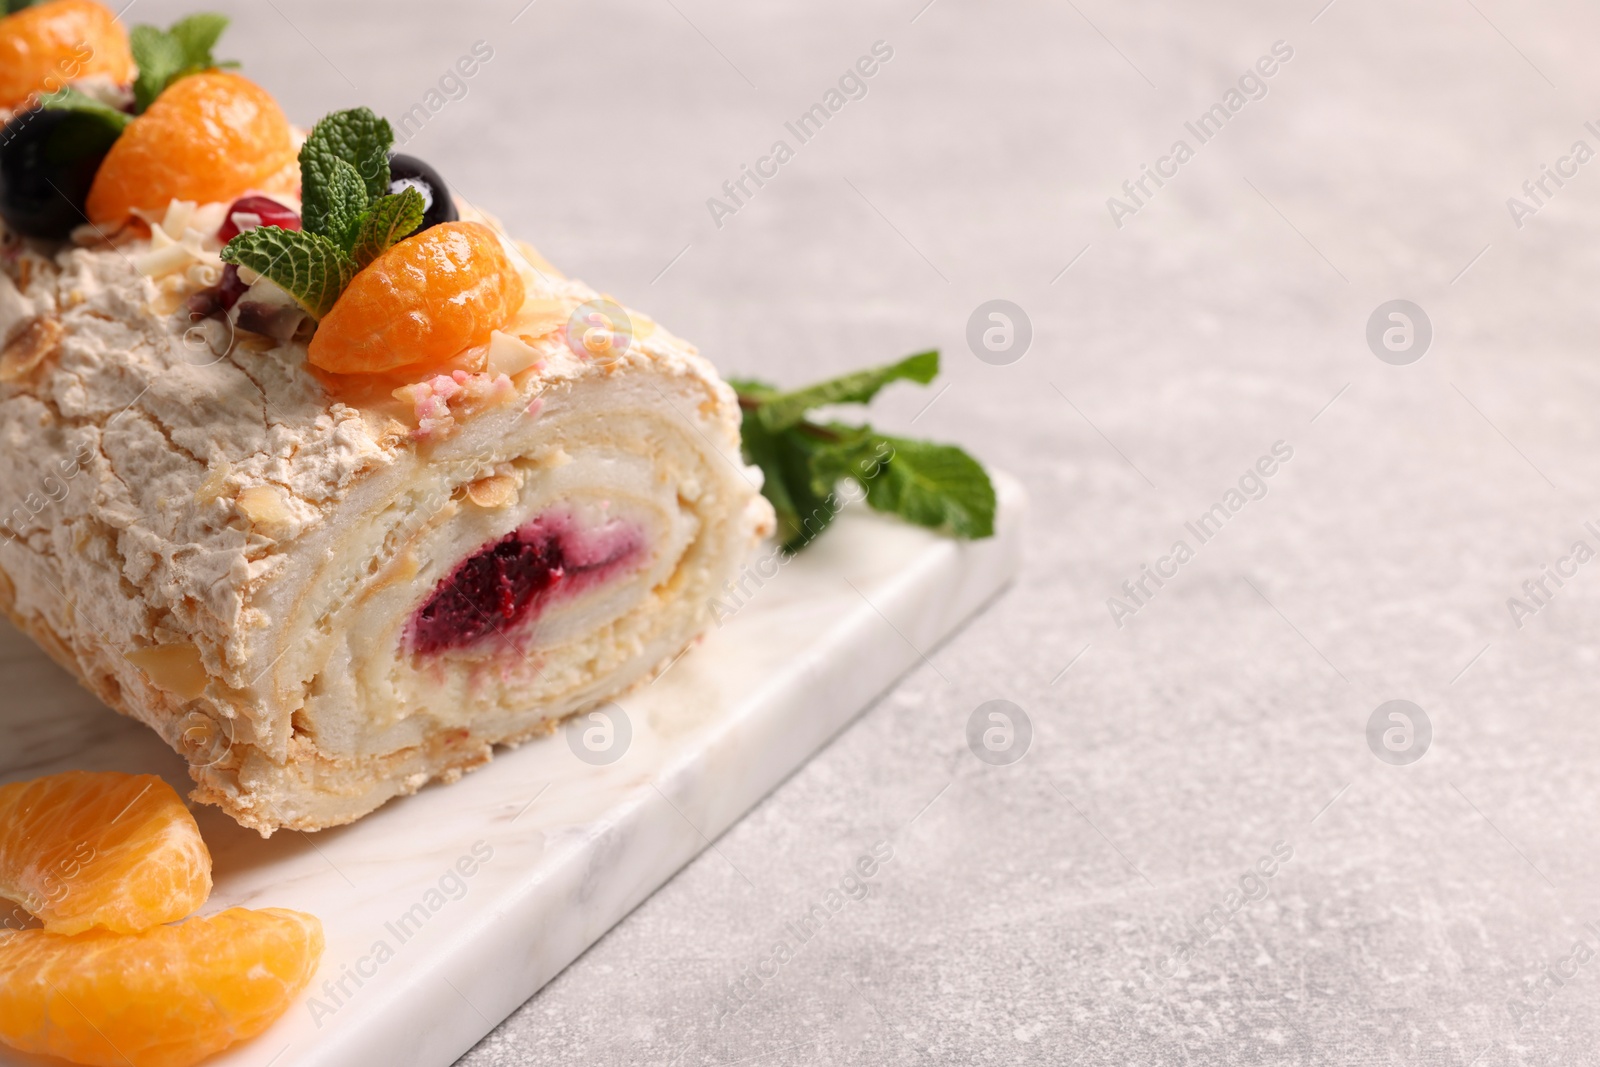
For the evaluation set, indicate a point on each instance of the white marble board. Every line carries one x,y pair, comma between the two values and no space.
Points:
558,849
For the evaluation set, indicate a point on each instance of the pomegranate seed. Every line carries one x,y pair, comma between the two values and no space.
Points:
269,211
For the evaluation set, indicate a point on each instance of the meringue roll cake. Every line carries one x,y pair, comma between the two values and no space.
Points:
326,558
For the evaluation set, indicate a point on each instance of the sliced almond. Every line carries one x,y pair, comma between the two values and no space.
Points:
215,484
509,355
175,668
495,491
539,317
264,506
38,340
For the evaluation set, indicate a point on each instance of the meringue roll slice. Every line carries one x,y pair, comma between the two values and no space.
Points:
325,594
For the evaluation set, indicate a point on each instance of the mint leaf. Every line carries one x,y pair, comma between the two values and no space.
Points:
160,57
360,138
335,199
853,452
752,392
786,460
784,410
933,485
72,99
307,266
197,35
164,56
11,7
390,220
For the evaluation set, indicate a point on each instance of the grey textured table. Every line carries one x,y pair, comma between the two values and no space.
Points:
1430,913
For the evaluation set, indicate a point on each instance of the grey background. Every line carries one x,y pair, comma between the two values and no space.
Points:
1028,909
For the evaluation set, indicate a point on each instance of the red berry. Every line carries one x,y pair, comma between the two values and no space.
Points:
219,299
268,210
231,288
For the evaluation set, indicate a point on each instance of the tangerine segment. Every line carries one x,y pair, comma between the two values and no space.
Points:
118,851
209,137
48,46
168,997
421,302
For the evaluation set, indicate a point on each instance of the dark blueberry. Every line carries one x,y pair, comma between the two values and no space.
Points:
48,160
409,172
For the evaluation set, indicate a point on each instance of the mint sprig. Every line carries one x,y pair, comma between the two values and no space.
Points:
933,485
350,218
390,218
357,136
784,410
197,35
164,56
334,199
307,266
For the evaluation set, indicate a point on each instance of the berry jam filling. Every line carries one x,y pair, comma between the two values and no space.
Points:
504,585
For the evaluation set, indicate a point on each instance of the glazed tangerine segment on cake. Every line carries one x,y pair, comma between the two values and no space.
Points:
209,138
420,303
168,997
50,45
117,851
